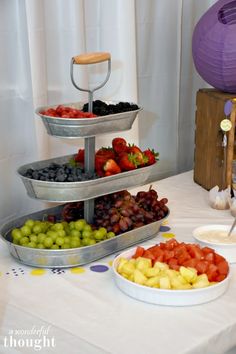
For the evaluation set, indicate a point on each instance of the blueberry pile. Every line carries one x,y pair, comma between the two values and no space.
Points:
100,108
60,173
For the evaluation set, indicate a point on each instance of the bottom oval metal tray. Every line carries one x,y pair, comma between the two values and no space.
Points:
74,256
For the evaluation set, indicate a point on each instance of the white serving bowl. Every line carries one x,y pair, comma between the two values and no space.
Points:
163,296
227,250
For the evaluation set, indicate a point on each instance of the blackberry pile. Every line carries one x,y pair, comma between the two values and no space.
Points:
60,173
100,108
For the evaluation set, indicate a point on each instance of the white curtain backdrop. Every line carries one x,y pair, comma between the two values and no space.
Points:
150,45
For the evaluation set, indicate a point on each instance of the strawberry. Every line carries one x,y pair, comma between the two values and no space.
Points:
80,156
101,157
106,153
111,168
151,155
128,162
119,145
142,159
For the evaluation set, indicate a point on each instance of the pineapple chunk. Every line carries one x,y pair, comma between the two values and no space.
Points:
128,268
122,261
201,282
161,265
154,281
171,273
132,261
182,279
189,274
143,264
131,277
152,272
139,277
165,283
176,283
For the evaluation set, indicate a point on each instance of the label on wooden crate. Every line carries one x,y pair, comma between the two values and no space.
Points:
225,125
228,107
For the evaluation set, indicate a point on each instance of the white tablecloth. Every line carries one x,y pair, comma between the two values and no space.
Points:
84,312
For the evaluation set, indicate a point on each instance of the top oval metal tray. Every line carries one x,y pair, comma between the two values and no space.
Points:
86,127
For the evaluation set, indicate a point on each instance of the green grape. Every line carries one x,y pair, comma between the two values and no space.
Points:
67,239
60,241
61,233
92,242
52,234
75,238
110,234
44,226
24,240
87,233
16,242
31,244
75,233
48,242
58,226
54,247
80,224
26,230
41,237
98,235
87,227
37,229
65,246
40,246
74,243
85,241
67,230
33,238
65,224
16,233
29,223
103,231
72,225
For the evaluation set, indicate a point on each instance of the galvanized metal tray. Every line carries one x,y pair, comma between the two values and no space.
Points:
74,191
74,256
86,127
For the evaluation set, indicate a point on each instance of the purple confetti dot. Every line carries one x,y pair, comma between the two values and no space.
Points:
99,268
164,228
7,273
16,275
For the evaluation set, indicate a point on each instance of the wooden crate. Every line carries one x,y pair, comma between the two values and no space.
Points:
210,167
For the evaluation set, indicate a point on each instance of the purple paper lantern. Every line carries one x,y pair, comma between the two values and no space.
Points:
214,46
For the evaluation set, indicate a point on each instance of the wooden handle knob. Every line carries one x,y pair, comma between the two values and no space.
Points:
91,58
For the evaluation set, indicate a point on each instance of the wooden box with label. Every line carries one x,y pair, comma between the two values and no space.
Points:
212,161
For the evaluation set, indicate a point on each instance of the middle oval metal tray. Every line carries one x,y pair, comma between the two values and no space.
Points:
74,191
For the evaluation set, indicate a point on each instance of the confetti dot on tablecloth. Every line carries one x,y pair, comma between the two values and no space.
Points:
77,270
164,228
57,271
110,263
15,271
99,268
168,235
38,272
165,222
